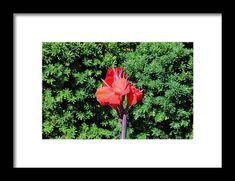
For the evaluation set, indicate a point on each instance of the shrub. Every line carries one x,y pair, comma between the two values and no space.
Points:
165,72
72,72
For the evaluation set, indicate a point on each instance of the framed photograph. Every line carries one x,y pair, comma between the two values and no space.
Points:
111,90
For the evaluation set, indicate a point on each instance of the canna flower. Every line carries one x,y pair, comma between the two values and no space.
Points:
115,87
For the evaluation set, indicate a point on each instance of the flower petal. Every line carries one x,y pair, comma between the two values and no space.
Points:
121,86
139,95
134,95
131,99
106,95
109,77
114,74
114,106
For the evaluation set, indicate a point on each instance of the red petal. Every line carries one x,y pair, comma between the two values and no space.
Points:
139,95
121,86
106,95
109,77
134,96
131,99
114,74
119,71
115,99
114,106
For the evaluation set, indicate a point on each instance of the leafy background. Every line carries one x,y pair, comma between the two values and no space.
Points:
72,72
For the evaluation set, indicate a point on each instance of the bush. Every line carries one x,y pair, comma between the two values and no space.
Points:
72,72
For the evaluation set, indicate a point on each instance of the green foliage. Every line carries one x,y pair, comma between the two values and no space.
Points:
165,72
73,71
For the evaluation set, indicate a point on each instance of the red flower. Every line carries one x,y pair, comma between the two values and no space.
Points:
134,95
115,86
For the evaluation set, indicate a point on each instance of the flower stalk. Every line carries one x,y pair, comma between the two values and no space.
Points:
124,127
